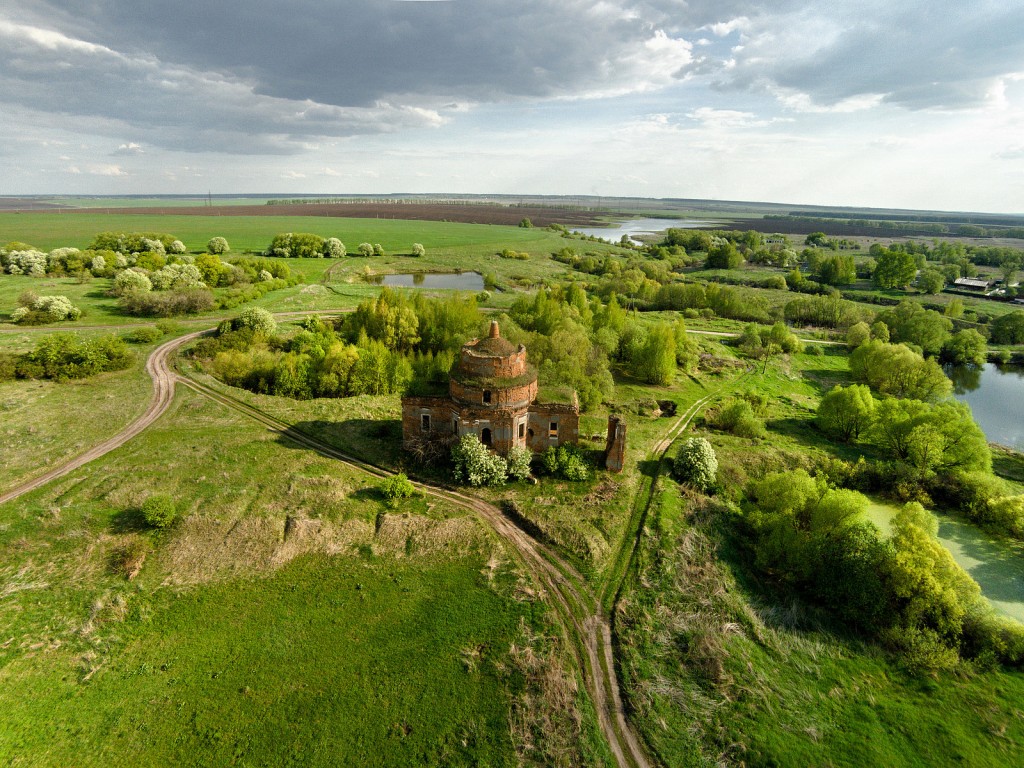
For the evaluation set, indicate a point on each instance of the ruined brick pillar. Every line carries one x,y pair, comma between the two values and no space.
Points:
615,447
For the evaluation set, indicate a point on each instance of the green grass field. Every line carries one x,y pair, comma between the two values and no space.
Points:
364,635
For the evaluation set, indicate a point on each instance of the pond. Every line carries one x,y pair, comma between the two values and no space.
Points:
996,396
632,227
997,565
459,281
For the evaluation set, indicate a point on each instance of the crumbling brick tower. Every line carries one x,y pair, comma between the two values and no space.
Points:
492,393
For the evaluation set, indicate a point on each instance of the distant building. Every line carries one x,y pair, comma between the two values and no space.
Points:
492,393
973,283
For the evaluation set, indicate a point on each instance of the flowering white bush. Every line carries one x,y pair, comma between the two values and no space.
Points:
120,261
473,463
519,462
47,309
334,248
98,265
218,245
696,463
176,247
365,249
265,276
259,319
181,258
153,245
177,277
418,249
131,280
56,258
26,263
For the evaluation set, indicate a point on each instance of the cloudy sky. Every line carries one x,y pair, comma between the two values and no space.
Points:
917,103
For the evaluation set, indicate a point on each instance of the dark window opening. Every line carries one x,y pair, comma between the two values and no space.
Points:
522,429
553,429
455,426
487,397
425,422
529,433
485,436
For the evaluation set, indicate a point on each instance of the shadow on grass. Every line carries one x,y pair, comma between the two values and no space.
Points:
128,521
371,440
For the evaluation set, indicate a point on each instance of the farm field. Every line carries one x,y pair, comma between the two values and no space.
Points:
292,614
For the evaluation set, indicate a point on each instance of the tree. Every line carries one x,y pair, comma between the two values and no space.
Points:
1009,329
259,320
846,412
158,511
837,270
526,224
696,463
218,245
418,249
893,268
858,334
894,369
910,323
723,255
952,440
655,362
378,249
365,249
931,281
966,347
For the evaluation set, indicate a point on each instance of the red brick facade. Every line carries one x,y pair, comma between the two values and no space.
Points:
492,394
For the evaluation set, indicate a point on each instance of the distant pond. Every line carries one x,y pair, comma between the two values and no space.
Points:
996,396
460,281
642,227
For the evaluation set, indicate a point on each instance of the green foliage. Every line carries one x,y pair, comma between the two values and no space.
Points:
518,461
46,309
418,250
893,268
966,347
845,413
824,311
167,303
217,245
858,334
334,248
938,437
737,416
931,281
1008,329
63,356
133,242
474,464
696,463
894,369
296,245
723,255
258,320
910,323
566,461
145,335
526,224
655,361
837,270
128,280
159,511
366,249
396,487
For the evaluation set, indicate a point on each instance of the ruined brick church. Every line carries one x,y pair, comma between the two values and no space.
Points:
493,394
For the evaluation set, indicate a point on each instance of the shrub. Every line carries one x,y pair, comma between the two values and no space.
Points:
218,245
334,248
418,249
397,487
177,277
46,309
738,417
131,280
518,462
167,303
365,249
145,335
696,463
565,461
378,249
474,464
158,511
177,246
258,319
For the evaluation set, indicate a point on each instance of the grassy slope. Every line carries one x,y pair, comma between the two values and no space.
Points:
381,640
714,668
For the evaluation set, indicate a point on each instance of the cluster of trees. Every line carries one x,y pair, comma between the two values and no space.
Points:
64,356
34,309
905,590
306,245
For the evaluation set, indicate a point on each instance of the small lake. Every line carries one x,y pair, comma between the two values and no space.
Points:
996,396
633,227
459,281
997,565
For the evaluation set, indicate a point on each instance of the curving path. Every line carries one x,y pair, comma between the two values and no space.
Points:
163,394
